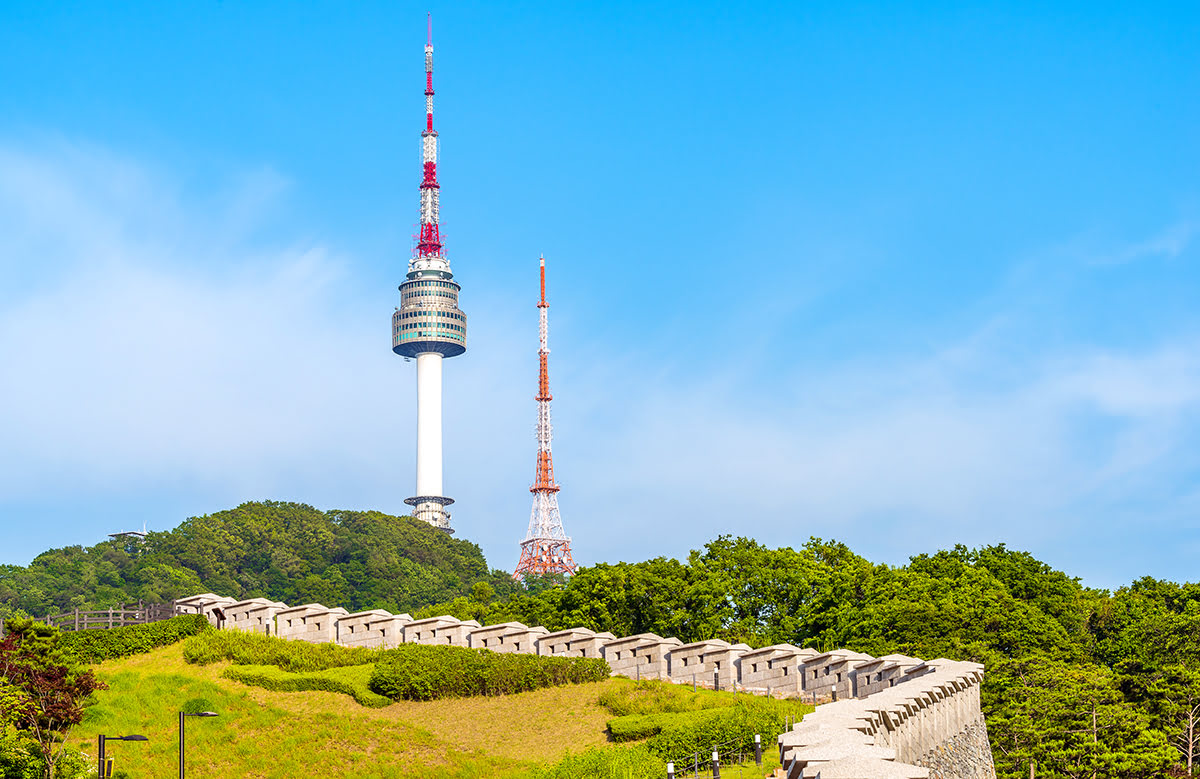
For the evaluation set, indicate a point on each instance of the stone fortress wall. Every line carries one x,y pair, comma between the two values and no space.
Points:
890,717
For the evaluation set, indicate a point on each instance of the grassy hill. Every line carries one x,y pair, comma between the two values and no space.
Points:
274,734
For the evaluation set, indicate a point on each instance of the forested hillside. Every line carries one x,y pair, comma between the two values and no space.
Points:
284,551
1083,682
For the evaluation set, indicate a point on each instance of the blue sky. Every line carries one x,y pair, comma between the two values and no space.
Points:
904,275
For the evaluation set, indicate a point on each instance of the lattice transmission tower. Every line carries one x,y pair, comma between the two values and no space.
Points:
546,548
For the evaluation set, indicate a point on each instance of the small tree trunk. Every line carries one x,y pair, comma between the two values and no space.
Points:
1191,739
1095,732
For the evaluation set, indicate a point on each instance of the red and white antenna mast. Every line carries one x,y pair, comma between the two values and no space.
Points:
429,242
546,548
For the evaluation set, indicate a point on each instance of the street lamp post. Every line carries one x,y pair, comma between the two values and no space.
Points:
181,716
100,749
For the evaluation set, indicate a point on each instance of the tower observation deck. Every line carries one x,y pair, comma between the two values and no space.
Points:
428,324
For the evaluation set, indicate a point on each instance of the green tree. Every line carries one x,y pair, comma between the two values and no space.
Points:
1072,721
48,686
18,758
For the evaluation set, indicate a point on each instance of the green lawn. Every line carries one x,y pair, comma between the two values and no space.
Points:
269,733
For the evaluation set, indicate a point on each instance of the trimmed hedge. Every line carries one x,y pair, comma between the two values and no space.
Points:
421,673
350,681
94,646
256,649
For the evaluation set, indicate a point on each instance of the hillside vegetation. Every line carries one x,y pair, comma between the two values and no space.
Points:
283,551
262,733
1081,682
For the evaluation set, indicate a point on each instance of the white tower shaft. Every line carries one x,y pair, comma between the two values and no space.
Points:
429,424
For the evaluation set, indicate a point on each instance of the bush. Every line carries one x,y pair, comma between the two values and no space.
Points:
94,646
197,705
421,673
627,762
350,681
626,697
637,727
19,757
732,728
256,649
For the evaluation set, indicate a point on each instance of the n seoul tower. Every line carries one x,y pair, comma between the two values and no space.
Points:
428,325
546,548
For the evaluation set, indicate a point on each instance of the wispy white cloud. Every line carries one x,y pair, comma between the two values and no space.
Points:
1169,243
161,346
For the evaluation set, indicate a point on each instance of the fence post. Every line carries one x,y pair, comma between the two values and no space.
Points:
670,771
716,766
758,749
1,627
77,619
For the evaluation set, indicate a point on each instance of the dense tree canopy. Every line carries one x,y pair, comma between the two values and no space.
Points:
284,551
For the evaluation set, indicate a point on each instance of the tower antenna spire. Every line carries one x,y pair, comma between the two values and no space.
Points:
546,548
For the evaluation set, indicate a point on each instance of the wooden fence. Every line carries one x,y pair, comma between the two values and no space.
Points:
119,617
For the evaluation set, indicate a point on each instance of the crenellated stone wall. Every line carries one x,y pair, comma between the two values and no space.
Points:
929,726
890,717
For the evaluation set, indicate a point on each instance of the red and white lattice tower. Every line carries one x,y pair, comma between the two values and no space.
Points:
546,548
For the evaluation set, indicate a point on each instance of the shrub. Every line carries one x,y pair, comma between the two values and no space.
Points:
256,649
626,697
197,705
637,727
19,757
674,735
350,681
627,762
421,673
94,646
